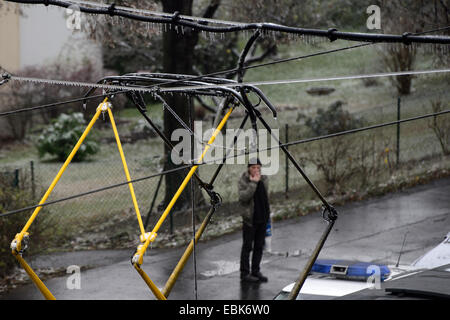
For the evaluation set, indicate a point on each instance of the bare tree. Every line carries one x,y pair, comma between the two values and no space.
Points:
413,16
440,125
187,52
132,45
21,95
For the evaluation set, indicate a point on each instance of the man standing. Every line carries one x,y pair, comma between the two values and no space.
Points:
253,196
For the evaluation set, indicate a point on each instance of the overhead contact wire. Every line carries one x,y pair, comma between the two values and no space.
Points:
230,157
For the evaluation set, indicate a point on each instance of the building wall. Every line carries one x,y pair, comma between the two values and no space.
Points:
9,37
38,36
43,34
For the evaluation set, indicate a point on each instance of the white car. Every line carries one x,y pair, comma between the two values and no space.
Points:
338,279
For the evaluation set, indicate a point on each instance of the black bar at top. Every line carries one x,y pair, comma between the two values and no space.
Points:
331,34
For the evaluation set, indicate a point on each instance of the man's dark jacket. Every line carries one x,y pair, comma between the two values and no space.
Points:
246,191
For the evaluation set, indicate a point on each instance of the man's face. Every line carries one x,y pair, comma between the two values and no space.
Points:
253,169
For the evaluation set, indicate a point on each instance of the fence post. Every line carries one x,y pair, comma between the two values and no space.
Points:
153,201
286,139
16,178
171,223
398,131
33,186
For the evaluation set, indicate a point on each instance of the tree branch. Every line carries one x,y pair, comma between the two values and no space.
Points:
211,8
264,55
204,105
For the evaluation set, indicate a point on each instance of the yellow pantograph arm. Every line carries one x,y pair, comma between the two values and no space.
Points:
16,244
158,294
144,236
137,259
63,168
182,262
127,174
38,282
191,172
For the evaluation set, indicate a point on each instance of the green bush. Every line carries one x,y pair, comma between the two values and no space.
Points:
11,198
333,120
335,158
62,135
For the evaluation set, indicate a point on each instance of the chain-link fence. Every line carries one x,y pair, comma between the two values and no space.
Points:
375,153
354,161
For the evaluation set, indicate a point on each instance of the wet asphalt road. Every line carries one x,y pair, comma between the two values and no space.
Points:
371,231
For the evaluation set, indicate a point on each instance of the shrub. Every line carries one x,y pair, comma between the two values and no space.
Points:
441,125
332,120
14,126
11,198
22,95
334,156
398,58
59,138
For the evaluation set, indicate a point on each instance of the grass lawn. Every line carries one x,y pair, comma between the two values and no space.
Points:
375,103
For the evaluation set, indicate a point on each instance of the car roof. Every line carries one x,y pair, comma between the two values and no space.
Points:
328,286
409,280
423,284
439,255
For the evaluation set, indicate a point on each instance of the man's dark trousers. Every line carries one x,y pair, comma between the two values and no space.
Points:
253,239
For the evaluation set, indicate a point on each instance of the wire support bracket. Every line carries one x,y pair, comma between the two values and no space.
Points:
5,78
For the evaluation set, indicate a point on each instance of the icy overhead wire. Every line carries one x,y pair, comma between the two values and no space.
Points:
154,90
293,81
200,24
162,14
291,143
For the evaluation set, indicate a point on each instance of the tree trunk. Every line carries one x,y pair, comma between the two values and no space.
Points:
178,48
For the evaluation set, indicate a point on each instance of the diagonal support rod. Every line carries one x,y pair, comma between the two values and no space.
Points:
17,247
331,218
312,259
187,253
127,173
19,244
140,105
294,162
331,215
138,257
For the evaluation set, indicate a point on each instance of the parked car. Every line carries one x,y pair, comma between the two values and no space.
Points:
426,277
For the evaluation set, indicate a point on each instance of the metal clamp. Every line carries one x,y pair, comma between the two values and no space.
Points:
104,106
329,214
331,35
215,198
111,9
136,258
20,243
137,100
5,76
405,39
151,236
175,16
